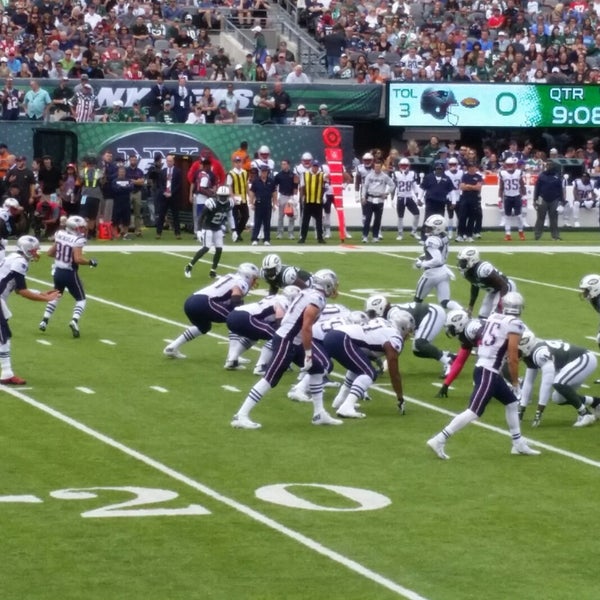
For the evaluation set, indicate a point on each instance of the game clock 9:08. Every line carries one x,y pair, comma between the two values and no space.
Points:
582,115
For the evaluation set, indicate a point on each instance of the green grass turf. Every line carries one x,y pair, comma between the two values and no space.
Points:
483,525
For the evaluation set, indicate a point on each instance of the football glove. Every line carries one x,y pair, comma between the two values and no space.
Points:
93,262
308,362
537,419
443,393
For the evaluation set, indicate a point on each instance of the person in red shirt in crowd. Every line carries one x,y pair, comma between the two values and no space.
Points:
215,166
133,73
496,21
47,218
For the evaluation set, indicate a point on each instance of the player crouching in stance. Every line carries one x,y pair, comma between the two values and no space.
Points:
12,277
256,321
564,368
356,346
292,342
213,304
500,341
67,251
210,229
589,289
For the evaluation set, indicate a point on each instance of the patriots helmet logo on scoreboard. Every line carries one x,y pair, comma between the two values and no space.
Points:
437,103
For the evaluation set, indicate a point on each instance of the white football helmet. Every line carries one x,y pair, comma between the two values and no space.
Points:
435,225
264,152
29,247
76,224
511,163
306,159
358,317
223,190
404,322
271,266
512,303
326,281
403,164
376,305
290,291
11,203
590,287
527,342
456,321
467,258
249,272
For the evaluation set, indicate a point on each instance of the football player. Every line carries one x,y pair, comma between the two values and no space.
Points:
12,277
499,342
278,275
264,158
256,321
483,275
469,332
211,225
213,304
436,274
589,289
454,173
292,342
429,321
583,196
356,346
512,196
10,213
564,368
67,251
407,196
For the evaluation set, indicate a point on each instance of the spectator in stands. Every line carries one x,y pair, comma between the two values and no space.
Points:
269,68
301,117
10,100
263,105
334,44
36,102
282,48
282,102
344,69
166,115
198,63
138,113
116,114
249,68
282,67
220,59
195,116
322,117
183,99
260,44
208,104
133,73
224,117
297,76
231,101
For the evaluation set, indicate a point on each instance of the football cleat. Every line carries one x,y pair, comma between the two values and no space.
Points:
350,413
520,447
172,353
399,237
508,237
521,236
260,369
239,422
74,328
324,418
233,365
212,274
43,326
187,271
298,395
438,446
584,420
14,380
537,419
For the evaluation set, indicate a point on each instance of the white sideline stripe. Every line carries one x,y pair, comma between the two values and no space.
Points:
242,508
109,342
85,390
158,388
230,388
44,342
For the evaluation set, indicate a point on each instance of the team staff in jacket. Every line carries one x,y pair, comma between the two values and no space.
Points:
237,181
263,199
549,198
375,189
436,186
312,188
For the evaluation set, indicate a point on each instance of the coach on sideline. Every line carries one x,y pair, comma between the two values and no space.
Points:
549,198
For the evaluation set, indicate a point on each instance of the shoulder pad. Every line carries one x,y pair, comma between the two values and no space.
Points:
484,269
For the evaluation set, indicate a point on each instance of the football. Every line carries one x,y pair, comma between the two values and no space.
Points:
470,102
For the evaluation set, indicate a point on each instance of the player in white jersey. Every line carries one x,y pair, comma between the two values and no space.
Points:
292,342
213,304
67,251
12,278
564,368
454,173
407,196
499,342
255,321
264,158
512,196
583,197
436,273
356,346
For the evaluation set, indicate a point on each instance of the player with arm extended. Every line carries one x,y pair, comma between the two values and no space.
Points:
482,274
468,331
564,368
67,251
12,278
213,304
292,342
256,321
436,273
499,342
355,347
211,224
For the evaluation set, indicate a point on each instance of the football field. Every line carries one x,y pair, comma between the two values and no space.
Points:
122,479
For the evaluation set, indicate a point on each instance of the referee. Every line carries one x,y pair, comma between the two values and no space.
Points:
312,188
